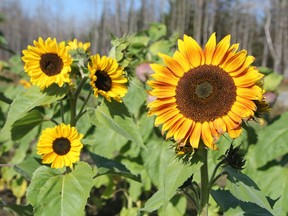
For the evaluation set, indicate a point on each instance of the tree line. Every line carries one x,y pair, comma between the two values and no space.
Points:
261,27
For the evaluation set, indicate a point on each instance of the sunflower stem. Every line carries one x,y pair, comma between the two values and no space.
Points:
80,86
62,111
73,101
83,106
204,190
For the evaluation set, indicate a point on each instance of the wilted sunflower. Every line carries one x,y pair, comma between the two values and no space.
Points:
60,146
107,78
74,44
204,93
47,62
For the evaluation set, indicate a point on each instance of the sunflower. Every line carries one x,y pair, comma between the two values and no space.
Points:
107,78
47,62
60,146
202,93
74,44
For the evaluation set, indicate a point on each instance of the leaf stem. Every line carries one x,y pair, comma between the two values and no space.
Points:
212,180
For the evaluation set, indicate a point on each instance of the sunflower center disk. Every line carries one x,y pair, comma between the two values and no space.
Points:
203,90
51,64
61,146
205,93
103,82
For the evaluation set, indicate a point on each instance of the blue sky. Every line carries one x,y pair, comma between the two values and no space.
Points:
78,9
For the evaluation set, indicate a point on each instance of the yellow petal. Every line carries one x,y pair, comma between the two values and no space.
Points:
195,136
173,65
221,50
210,49
206,135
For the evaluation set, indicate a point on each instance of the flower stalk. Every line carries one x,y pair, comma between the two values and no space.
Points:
204,189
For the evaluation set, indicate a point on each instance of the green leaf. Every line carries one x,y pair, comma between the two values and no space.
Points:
272,142
136,97
22,126
156,159
162,46
54,193
176,207
231,206
115,115
246,190
28,100
106,166
175,175
28,166
272,81
157,31
20,210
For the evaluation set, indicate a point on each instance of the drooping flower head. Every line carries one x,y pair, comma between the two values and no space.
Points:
47,62
107,78
202,93
60,146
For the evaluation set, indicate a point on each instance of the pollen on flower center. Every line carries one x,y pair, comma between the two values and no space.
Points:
61,146
103,82
205,93
51,64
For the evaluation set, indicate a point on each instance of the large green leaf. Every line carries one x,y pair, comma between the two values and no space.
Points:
28,100
106,166
54,193
156,159
272,142
115,115
246,190
232,206
28,166
22,126
175,175
135,97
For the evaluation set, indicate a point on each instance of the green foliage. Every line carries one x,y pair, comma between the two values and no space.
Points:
272,141
116,116
53,193
272,81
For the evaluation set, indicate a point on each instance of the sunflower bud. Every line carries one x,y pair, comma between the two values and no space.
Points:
234,157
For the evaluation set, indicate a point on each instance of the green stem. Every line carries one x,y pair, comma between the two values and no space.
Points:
204,190
212,181
73,102
83,106
62,111
80,86
192,198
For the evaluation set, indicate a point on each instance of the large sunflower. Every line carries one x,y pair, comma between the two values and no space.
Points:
47,62
107,78
201,94
60,146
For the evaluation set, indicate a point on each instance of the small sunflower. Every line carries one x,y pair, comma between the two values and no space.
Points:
200,94
74,44
107,78
60,146
47,62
